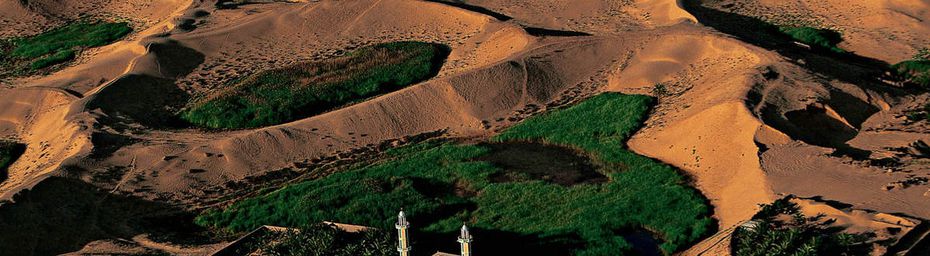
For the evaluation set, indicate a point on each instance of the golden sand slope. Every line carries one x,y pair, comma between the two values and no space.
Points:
39,117
701,124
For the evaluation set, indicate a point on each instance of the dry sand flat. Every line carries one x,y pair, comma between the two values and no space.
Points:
745,123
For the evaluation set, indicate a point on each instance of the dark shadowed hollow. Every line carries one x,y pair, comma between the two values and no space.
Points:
522,161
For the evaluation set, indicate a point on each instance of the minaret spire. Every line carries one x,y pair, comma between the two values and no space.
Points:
465,240
403,244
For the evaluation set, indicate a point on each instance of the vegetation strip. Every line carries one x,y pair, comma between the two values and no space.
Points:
287,94
28,54
441,185
816,38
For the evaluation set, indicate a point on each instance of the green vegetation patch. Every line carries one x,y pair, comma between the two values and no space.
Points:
781,229
23,55
9,152
442,184
287,94
817,38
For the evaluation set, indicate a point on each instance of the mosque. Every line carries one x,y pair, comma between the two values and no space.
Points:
403,238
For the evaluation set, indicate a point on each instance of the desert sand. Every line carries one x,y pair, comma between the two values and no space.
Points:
746,122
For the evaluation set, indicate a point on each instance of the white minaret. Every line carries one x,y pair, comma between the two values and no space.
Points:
465,241
403,244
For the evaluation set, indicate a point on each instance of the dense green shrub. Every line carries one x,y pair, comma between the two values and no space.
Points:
817,38
442,185
781,229
286,94
19,55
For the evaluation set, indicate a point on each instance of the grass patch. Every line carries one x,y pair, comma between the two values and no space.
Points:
22,55
781,229
287,94
817,38
9,152
441,185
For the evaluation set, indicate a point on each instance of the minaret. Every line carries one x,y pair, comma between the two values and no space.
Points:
403,244
465,241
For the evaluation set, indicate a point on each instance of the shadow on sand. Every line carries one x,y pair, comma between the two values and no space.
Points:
61,215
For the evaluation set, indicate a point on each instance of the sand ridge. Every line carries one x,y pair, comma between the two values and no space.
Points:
701,124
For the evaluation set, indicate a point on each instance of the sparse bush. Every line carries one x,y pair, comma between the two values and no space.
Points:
286,94
922,54
423,179
660,90
817,38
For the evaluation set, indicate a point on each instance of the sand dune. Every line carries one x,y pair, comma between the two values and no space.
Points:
745,123
701,124
38,116
458,104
